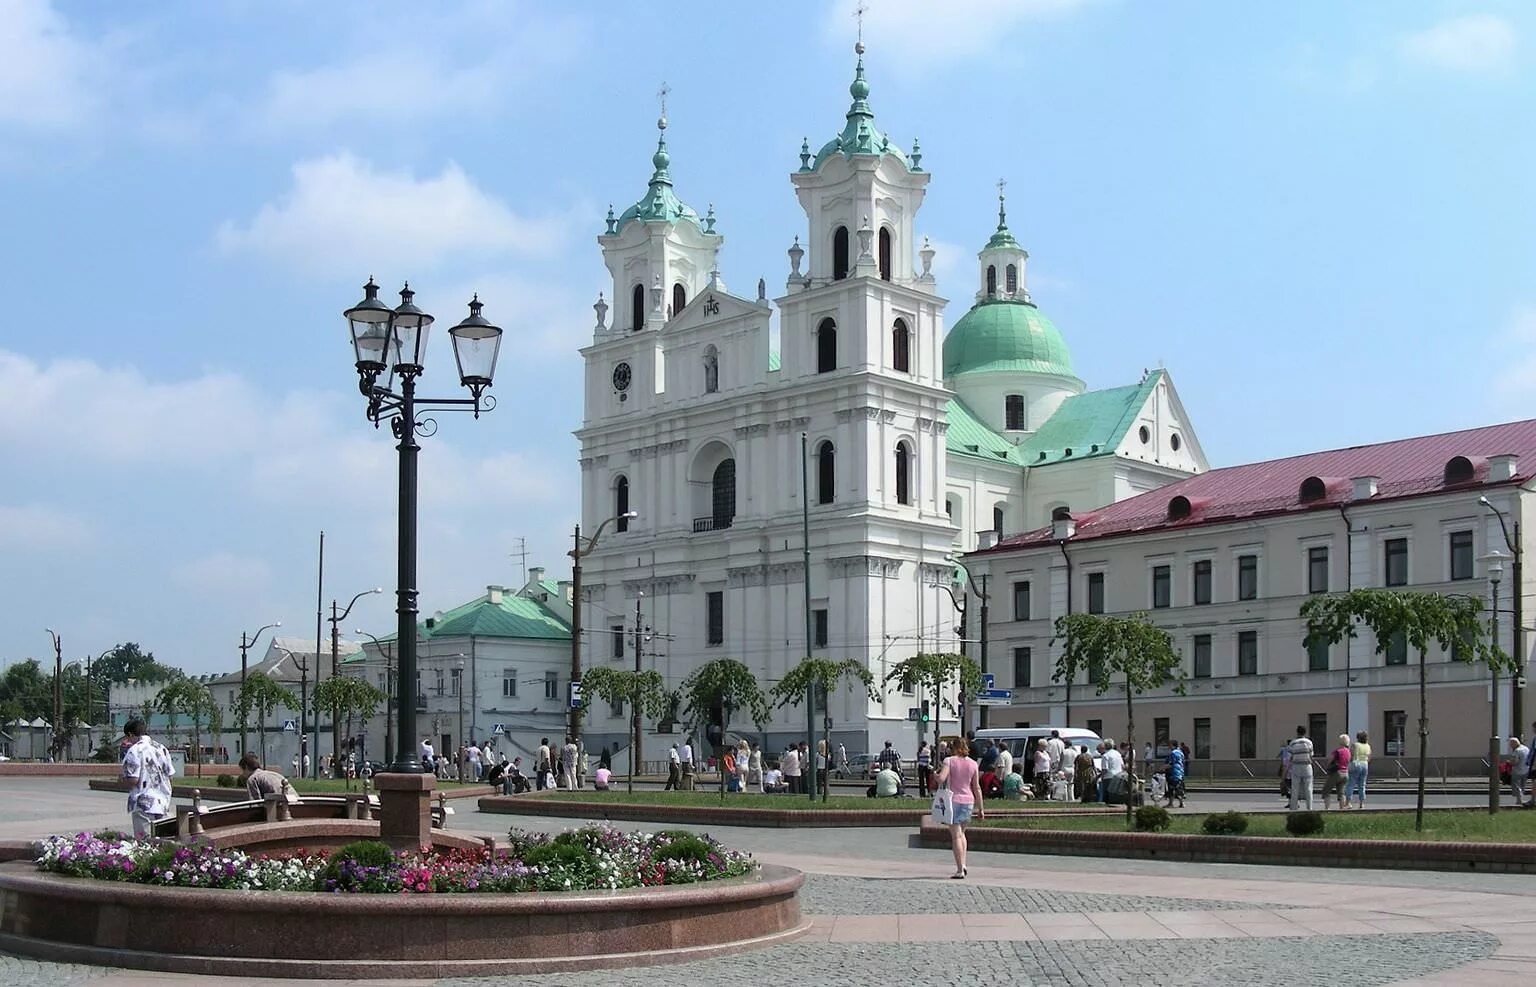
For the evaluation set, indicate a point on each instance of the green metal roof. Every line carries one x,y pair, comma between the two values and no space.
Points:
659,204
968,436
859,135
1089,424
1002,237
774,362
550,586
1002,335
515,616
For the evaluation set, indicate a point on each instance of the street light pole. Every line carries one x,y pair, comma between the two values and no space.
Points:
58,690
577,553
459,688
1517,680
336,620
248,641
1494,566
389,342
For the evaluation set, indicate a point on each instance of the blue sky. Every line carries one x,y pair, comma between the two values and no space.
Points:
1319,216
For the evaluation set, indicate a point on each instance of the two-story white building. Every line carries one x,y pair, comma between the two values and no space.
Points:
1224,560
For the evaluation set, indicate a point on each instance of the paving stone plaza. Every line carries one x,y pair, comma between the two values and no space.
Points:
885,913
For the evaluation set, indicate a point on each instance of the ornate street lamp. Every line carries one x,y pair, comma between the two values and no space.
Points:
1493,566
248,641
390,344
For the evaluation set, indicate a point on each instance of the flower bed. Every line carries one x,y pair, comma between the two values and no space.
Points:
586,859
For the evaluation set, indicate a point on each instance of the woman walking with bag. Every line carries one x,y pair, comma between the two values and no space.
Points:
958,778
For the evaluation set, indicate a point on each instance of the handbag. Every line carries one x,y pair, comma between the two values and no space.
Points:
943,808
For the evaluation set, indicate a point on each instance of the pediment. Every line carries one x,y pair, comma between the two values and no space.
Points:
711,307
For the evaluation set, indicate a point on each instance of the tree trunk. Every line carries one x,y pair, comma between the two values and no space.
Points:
1418,815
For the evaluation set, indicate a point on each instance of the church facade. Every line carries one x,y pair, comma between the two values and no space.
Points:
903,444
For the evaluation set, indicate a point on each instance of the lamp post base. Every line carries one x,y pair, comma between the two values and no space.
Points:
405,809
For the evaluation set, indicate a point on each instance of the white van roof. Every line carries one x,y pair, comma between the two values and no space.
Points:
997,733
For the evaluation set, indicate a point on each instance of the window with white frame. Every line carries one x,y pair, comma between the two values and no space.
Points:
509,683
551,685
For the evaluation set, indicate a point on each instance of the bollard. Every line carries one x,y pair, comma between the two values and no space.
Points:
195,824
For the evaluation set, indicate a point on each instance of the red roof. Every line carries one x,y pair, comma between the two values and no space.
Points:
1404,468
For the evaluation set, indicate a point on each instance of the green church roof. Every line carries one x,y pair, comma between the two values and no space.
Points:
1090,424
660,203
969,436
859,135
1002,335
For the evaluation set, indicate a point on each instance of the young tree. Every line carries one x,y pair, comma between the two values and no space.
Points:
644,691
824,676
1451,621
188,696
714,691
341,695
931,672
262,695
1131,648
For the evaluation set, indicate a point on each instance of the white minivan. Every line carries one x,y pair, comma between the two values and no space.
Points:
1020,742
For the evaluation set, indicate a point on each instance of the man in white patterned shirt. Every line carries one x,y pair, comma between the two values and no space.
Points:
148,769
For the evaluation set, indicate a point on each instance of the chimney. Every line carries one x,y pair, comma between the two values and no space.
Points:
493,595
565,591
1363,487
985,539
536,574
1063,528
1503,467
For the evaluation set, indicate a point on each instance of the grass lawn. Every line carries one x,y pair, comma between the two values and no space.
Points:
1471,825
752,800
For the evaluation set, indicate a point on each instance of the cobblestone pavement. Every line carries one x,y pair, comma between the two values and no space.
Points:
1349,961
827,895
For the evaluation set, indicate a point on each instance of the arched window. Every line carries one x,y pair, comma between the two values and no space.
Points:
903,473
826,485
885,253
840,253
949,508
711,370
826,346
997,520
679,298
637,305
1011,274
621,503
1014,412
901,347
722,494
991,280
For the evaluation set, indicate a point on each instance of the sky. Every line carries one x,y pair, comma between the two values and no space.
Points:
1320,217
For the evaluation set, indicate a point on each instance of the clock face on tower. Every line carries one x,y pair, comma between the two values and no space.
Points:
621,377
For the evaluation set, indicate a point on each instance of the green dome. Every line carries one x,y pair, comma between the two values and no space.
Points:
1002,336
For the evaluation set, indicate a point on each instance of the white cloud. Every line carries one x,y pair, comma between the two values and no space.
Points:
1477,43
43,72
37,527
342,209
920,31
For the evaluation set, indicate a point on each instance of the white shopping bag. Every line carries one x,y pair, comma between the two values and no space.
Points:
943,807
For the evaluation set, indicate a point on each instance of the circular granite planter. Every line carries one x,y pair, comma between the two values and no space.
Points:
299,934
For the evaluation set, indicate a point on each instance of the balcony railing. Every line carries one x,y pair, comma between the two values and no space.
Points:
712,523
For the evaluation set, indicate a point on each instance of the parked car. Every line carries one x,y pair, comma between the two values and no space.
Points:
860,766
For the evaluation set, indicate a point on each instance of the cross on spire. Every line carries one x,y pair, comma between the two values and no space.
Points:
858,13
661,96
1002,183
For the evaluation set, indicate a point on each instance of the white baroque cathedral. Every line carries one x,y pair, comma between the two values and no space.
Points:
916,443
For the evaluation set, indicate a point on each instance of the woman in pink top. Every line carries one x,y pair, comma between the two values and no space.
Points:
959,775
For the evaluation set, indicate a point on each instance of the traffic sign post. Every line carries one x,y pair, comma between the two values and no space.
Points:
576,695
988,682
994,697
912,713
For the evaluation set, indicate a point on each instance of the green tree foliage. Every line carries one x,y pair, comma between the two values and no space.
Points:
341,695
823,676
1130,649
188,697
721,688
932,673
262,695
129,661
26,693
644,692
1452,621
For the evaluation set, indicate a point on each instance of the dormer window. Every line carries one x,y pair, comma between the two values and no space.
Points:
885,253
1459,469
1313,488
840,253
991,280
637,308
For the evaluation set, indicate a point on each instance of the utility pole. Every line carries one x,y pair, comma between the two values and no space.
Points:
58,693
634,705
986,596
319,620
576,553
809,772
